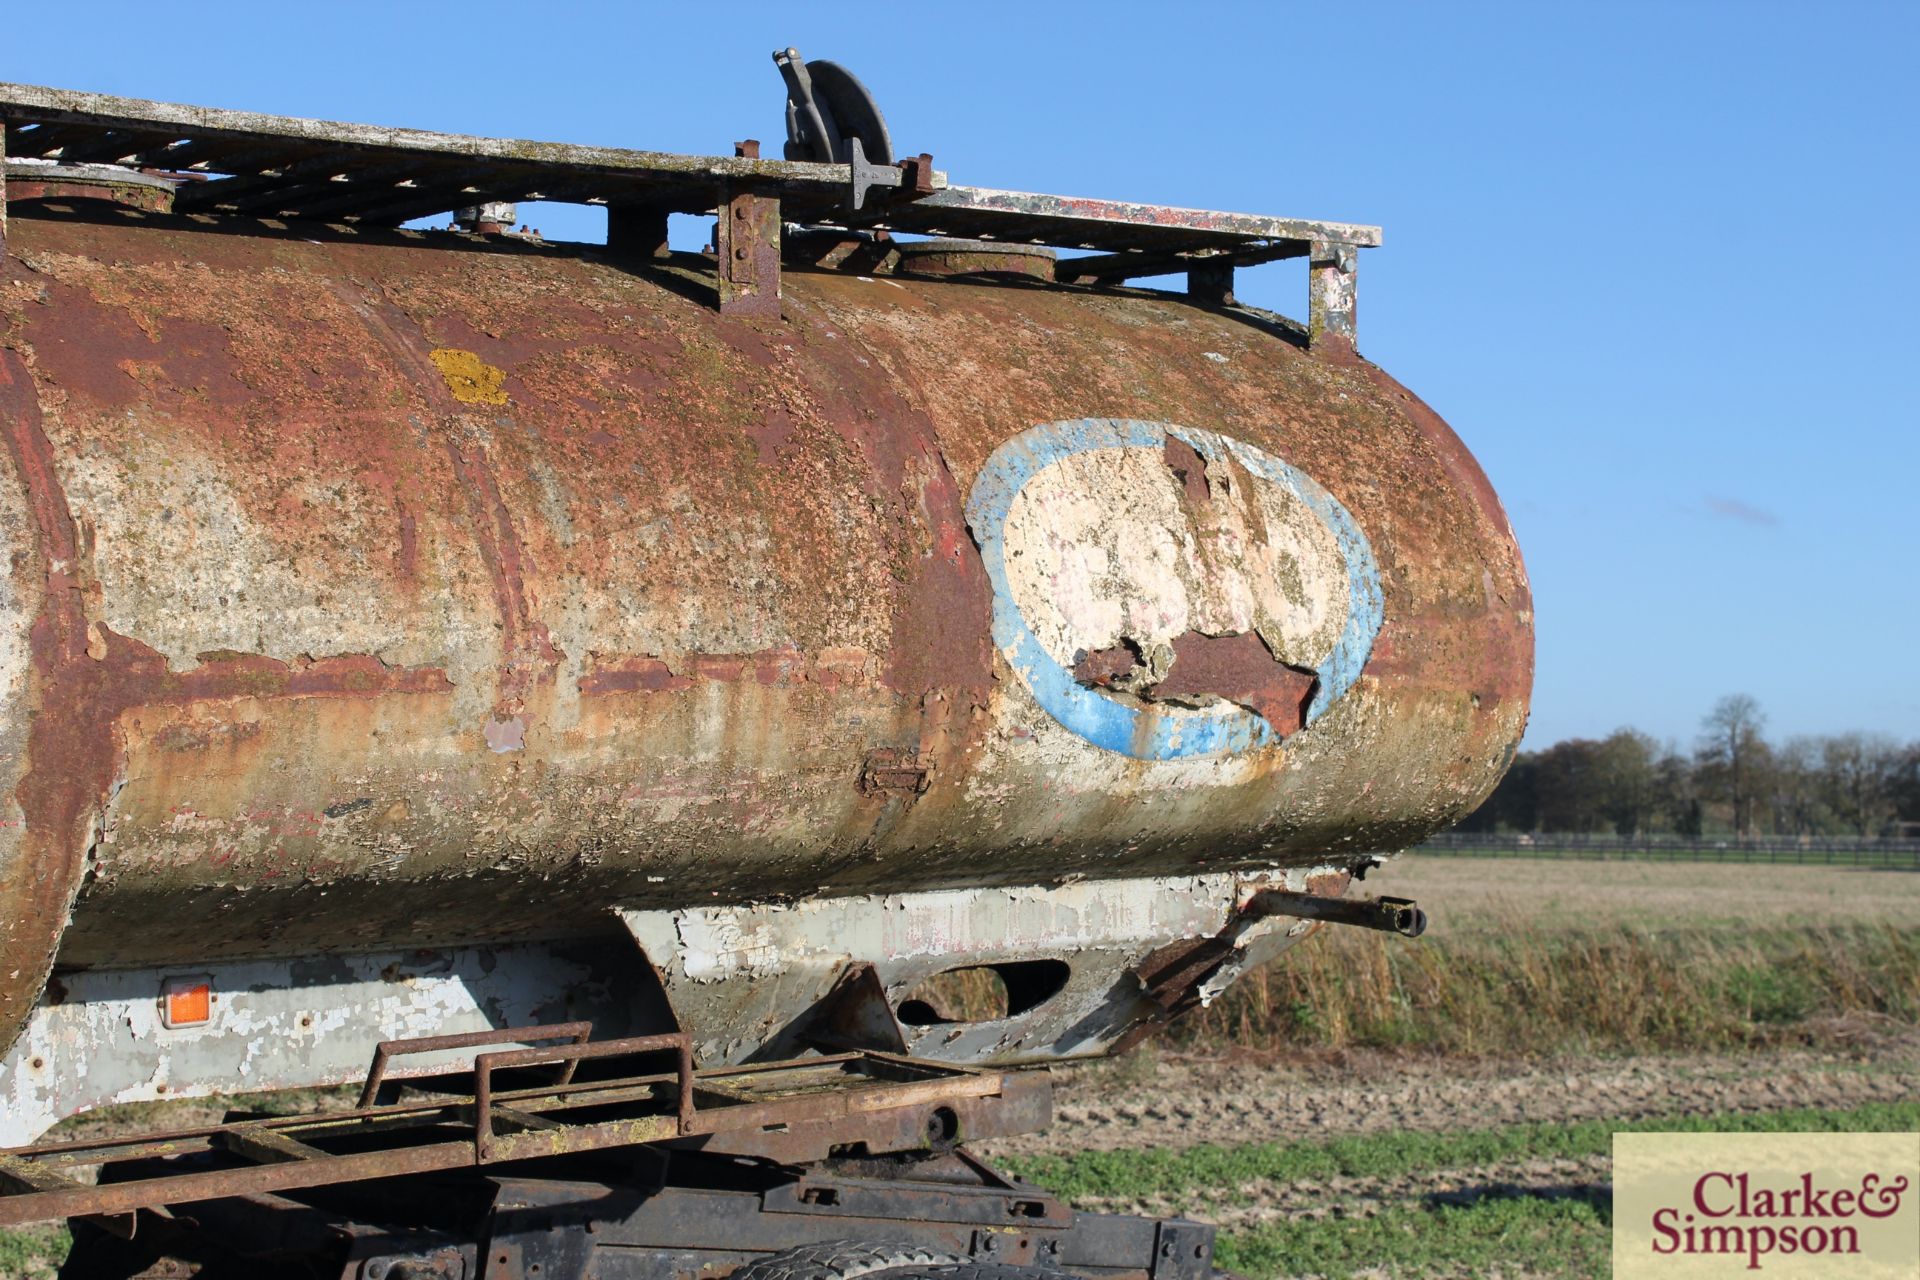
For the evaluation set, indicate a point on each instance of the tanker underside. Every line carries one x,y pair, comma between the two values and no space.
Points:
1055,972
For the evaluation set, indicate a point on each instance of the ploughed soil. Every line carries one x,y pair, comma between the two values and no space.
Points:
1172,1103
1145,1103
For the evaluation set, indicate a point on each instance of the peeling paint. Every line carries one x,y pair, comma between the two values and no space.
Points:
745,979
266,561
506,735
1090,534
293,1024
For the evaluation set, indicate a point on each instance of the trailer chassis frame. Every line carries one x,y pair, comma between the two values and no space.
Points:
547,1159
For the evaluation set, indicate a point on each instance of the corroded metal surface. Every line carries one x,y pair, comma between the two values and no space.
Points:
28,180
365,591
951,258
789,1110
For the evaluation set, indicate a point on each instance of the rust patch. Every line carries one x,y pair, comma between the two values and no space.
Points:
771,433
117,357
775,667
1100,668
892,769
1329,884
205,737
633,675
68,762
1490,658
141,677
1240,669
1190,469
528,649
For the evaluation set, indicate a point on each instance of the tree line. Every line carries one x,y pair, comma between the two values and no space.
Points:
1734,781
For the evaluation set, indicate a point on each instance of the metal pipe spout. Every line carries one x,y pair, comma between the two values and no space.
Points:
1390,915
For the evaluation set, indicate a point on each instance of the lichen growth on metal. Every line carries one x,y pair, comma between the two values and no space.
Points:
470,379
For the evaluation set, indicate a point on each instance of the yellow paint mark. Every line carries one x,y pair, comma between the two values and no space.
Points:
471,379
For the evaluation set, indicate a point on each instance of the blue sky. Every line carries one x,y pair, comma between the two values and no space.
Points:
1656,263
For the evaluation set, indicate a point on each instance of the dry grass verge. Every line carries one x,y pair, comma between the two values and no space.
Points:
1514,988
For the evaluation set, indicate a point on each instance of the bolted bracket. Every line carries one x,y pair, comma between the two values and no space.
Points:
1332,268
916,176
747,242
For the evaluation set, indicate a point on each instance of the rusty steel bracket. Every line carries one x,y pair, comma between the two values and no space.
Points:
387,1050
796,1111
1389,915
916,176
856,1015
1333,269
746,239
488,1144
893,769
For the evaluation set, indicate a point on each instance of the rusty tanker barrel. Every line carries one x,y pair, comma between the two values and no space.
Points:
378,591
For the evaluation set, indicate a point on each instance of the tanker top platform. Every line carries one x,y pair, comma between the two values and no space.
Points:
236,162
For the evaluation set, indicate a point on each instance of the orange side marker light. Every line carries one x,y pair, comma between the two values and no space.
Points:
186,1002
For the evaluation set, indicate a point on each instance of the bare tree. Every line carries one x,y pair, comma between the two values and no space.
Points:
1799,786
1731,749
1860,772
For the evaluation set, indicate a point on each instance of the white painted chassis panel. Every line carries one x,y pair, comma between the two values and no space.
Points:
745,978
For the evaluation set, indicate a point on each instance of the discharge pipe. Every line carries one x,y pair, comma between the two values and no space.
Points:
1391,915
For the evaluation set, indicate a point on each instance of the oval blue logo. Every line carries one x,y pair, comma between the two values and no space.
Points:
1165,591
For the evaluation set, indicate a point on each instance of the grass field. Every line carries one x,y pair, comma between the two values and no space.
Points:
1461,893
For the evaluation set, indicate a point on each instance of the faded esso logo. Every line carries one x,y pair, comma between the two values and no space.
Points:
1164,591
